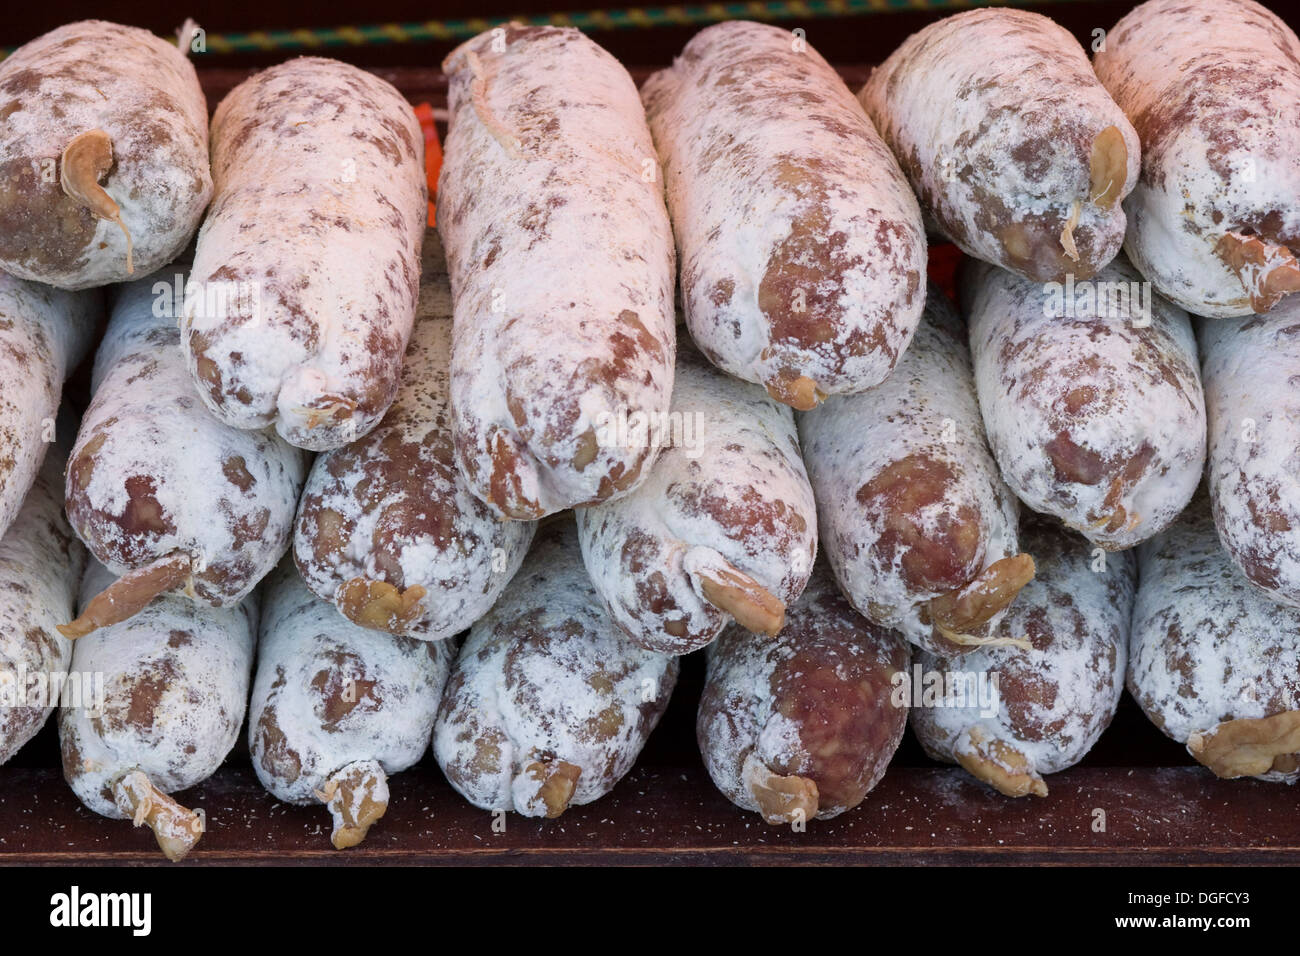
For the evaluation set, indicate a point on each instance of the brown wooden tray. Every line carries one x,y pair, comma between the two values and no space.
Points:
1159,807
662,815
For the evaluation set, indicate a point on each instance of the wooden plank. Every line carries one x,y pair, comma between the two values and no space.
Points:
918,815
1158,809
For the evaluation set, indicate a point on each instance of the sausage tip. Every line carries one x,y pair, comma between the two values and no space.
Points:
781,798
379,605
1248,747
176,828
86,158
998,764
357,796
555,783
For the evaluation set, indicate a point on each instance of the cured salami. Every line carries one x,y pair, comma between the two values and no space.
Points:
1009,715
41,563
337,708
307,267
803,724
918,526
1091,397
561,257
724,528
175,692
103,154
1016,151
801,245
44,335
1251,368
387,528
548,704
1214,663
166,496
1213,89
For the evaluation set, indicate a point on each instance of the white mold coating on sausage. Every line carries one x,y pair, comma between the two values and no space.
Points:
328,693
176,680
1206,646
316,223
1052,702
1213,88
140,90
1096,415
44,334
993,115
801,245
41,563
917,438
1251,369
393,506
153,473
551,210
730,490
816,700
546,678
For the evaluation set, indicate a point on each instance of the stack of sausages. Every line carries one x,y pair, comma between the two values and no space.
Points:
669,377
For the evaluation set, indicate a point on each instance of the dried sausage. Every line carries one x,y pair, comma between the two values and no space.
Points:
1213,89
1251,367
1015,150
1091,397
1212,661
387,528
337,708
804,723
918,526
174,695
551,210
103,154
165,495
1009,715
548,704
307,267
41,563
801,245
725,526
44,335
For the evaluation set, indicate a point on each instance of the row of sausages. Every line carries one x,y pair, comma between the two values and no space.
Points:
571,656
547,704
447,447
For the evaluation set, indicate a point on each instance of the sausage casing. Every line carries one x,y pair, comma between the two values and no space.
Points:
1015,150
548,704
551,210
801,245
387,528
307,267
